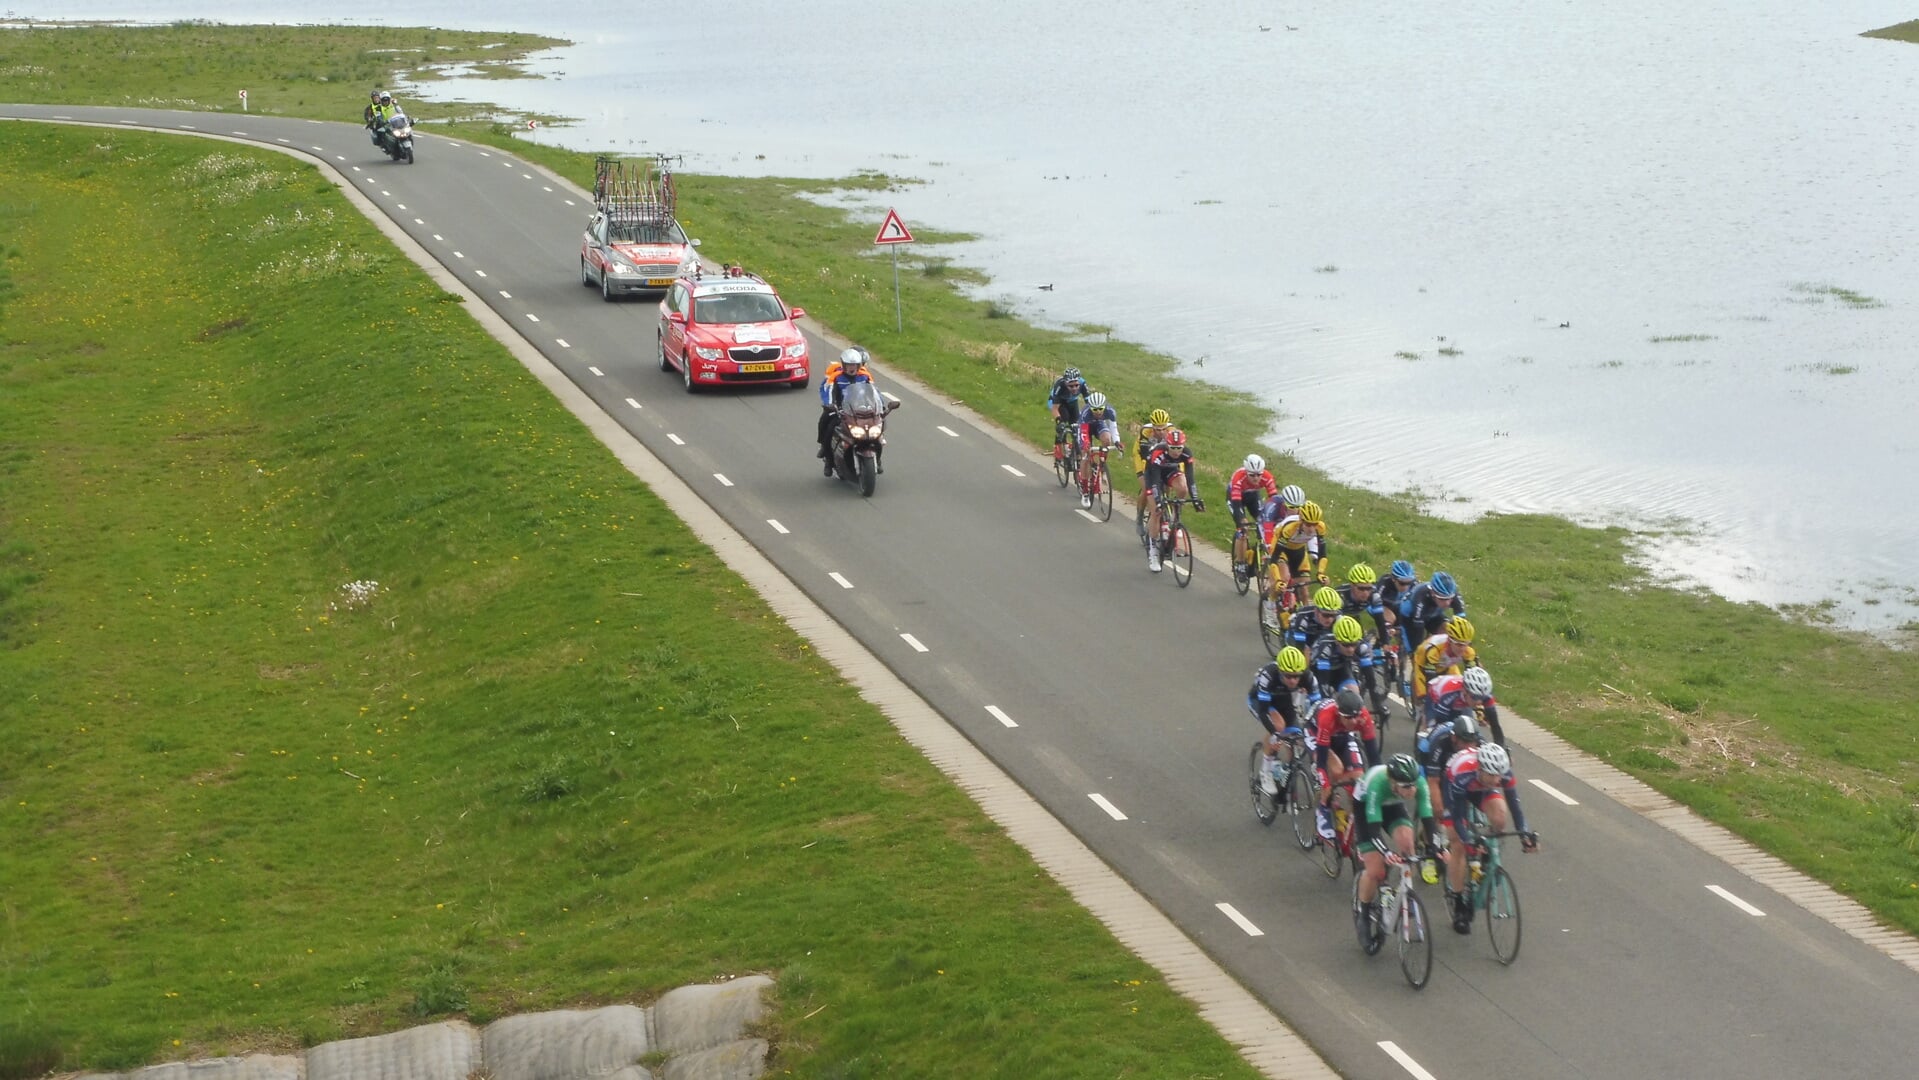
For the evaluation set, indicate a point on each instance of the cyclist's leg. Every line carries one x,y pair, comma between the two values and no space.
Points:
1372,853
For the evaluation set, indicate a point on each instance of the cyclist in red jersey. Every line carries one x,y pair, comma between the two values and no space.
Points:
1345,742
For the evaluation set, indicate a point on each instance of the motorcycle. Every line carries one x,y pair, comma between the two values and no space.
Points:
859,435
399,138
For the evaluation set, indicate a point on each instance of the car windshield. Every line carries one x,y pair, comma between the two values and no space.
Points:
861,398
741,307
647,232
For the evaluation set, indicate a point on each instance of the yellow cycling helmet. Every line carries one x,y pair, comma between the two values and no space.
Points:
1159,418
1291,661
1346,631
1310,513
1459,630
1361,574
1327,599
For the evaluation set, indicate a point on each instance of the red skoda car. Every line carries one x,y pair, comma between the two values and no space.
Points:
731,328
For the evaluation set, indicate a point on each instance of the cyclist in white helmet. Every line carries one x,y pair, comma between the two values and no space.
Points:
1098,423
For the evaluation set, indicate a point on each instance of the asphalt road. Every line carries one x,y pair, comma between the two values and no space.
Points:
974,577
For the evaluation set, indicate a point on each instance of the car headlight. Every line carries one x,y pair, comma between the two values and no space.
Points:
796,349
707,354
619,267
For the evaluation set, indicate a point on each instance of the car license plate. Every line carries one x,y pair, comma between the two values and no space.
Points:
758,367
661,281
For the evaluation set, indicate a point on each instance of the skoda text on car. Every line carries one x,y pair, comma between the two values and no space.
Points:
731,328
633,243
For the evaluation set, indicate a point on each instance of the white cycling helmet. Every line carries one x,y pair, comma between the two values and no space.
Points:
853,357
1096,402
1291,495
1494,761
1479,683
1255,464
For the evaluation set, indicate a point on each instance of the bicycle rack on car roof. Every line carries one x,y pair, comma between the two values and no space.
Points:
634,191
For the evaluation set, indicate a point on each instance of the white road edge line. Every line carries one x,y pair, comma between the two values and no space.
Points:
1405,1060
1112,811
1553,791
837,576
1239,920
777,527
633,403
677,441
1735,901
949,431
721,477
1087,514
1002,717
915,643
597,372
1012,470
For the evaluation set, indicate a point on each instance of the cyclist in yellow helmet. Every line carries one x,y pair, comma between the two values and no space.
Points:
1275,700
1156,424
1299,537
1446,653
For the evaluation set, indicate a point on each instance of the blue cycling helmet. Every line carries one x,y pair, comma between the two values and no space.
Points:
1443,586
1403,570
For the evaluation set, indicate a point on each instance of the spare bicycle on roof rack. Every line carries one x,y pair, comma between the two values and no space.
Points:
633,243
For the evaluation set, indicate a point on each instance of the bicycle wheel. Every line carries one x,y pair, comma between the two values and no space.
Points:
1302,797
1265,807
1242,575
1415,941
1369,940
1272,625
1062,465
1181,558
1499,899
1139,522
1102,492
1331,859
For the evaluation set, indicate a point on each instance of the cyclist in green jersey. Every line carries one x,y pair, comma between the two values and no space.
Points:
1379,803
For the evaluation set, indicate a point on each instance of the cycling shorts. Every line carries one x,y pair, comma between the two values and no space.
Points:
1379,837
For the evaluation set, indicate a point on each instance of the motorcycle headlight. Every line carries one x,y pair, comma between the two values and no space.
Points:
856,431
707,354
797,349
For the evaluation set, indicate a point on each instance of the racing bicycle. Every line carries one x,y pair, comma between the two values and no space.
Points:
1491,890
1298,784
1401,914
1175,543
1099,485
1065,453
1246,538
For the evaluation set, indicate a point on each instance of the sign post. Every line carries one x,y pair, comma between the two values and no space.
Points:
243,101
893,232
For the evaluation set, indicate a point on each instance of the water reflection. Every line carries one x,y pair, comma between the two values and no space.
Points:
1640,232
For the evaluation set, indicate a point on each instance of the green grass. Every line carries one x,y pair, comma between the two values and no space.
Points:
251,805
1905,31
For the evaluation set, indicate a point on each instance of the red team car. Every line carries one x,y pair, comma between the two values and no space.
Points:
731,328
633,243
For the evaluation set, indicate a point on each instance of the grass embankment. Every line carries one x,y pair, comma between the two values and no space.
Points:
557,754
1905,31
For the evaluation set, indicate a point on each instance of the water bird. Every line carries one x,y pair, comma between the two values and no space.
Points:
1048,287
1263,29
1201,362
1565,326
1292,28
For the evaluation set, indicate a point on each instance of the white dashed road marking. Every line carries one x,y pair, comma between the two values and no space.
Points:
342,157
836,576
721,477
485,154
1087,514
915,643
677,441
401,206
482,273
949,431
597,372
1239,920
633,403
533,317
389,195
440,238
777,527
1112,811
190,127
1554,792
1405,1060
289,142
1000,716
504,295
417,221
564,345
546,189
1012,470
569,202
459,254
1735,901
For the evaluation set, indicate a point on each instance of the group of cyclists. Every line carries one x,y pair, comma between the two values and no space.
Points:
1419,645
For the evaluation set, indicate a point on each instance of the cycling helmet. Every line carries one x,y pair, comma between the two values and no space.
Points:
1291,661
1309,513
1096,401
1346,631
1402,570
1159,418
1071,375
1494,761
1402,769
1465,728
1291,495
853,357
1361,574
1175,437
1443,586
1478,682
1348,703
1328,599
1254,464
1459,630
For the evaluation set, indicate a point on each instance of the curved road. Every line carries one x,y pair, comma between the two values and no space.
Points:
970,572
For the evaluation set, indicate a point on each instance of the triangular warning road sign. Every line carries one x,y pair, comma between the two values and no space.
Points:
893,230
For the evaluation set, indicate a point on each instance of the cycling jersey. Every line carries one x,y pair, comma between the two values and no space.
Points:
1462,790
1162,461
1331,730
1307,628
1374,800
1269,692
1332,666
1436,747
1104,422
1245,491
1446,697
1435,657
1068,398
1148,438
1424,613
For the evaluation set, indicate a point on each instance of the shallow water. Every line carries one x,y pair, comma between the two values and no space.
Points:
1541,189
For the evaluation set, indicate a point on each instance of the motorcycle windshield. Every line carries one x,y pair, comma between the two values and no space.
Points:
862,400
398,122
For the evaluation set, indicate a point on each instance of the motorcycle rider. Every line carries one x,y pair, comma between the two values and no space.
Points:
848,369
378,114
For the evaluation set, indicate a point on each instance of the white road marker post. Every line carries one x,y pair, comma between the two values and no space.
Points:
243,101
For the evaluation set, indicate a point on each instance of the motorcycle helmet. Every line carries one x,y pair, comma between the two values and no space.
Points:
853,359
